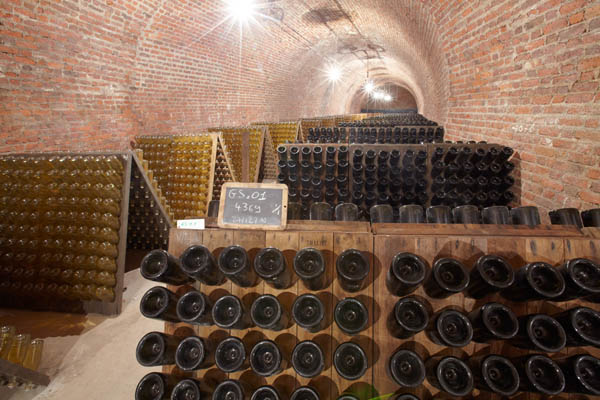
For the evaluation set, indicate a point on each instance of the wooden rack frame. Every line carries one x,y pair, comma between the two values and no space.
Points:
24,375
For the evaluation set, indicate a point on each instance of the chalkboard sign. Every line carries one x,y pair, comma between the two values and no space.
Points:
253,206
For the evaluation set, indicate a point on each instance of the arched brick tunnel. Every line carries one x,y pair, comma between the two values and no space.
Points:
525,73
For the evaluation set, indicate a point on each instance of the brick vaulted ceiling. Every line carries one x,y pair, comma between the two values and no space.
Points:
81,74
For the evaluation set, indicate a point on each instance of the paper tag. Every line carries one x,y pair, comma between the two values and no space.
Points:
190,224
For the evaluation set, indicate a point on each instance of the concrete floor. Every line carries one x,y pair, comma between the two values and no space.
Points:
87,357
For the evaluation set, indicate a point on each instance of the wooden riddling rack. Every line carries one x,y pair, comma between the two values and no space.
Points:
243,147
61,291
189,169
276,134
519,245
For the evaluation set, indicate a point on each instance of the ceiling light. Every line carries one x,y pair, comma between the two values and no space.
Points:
241,11
387,98
334,73
378,95
369,87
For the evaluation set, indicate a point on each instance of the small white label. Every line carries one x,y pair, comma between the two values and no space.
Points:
190,224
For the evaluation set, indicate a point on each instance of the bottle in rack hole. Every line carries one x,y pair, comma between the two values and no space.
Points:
450,375
266,393
267,313
540,332
195,308
351,316
307,359
160,266
194,353
234,263
230,355
539,374
409,317
156,348
266,359
309,265
581,374
450,328
350,361
495,374
406,368
582,278
535,281
582,326
448,276
160,303
405,274
352,270
270,265
155,386
490,274
493,321
305,393
231,390
190,389
198,262
229,313
309,313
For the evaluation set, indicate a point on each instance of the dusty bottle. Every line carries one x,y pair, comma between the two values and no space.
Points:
351,316
493,321
309,265
155,386
234,263
160,266
305,393
581,374
581,325
190,389
231,390
490,274
230,355
350,361
307,359
157,348
409,317
266,393
198,262
309,313
535,281
450,328
495,374
194,353
540,374
448,276
352,269
267,313
450,375
405,274
540,332
228,313
582,278
271,266
266,358
160,303
195,308
406,368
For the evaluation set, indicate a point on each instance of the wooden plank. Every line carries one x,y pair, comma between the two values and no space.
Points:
592,232
329,226
23,374
476,230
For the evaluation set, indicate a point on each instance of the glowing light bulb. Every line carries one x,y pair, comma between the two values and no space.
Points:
378,95
369,87
241,11
334,73
387,98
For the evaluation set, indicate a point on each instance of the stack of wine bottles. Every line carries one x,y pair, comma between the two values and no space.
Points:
396,135
472,175
20,349
231,354
232,146
407,119
572,216
314,174
327,135
492,321
389,176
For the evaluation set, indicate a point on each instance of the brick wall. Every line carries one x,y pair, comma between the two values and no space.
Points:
91,74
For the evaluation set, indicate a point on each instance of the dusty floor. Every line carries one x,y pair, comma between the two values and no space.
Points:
87,357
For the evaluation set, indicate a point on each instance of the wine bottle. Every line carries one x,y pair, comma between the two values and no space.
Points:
230,355
581,325
439,215
493,321
352,269
271,266
581,374
539,374
466,215
351,316
155,386
381,214
267,313
448,276
566,216
195,308
527,215
160,303
406,368
495,374
307,359
411,214
266,393
294,211
350,361
309,265
535,281
305,393
156,348
309,313
407,271
194,353
295,153
266,359
450,328
346,212
490,274
591,218
229,313
198,262
231,390
496,215
540,332
160,266
306,152
190,389
582,278
282,153
234,263
317,153
409,317
321,212
450,375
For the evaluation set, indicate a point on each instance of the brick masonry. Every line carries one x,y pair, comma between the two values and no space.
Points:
91,74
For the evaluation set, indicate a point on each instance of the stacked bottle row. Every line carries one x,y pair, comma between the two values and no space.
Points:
19,349
408,119
60,228
147,227
396,135
314,174
282,132
492,321
233,147
393,177
327,135
478,176
222,173
198,264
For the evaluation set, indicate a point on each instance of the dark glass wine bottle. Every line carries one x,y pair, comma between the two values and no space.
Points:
352,269
448,276
591,218
231,390
309,265
294,211
190,389
493,321
305,393
266,359
495,374
581,325
351,316
439,215
271,266
450,328
155,386
160,303
295,153
307,359
496,215
582,278
407,271
581,374
230,355
527,215
282,153
406,368
411,214
321,212
540,332
156,348
566,216
450,375
194,353
490,274
198,262
266,393
267,313
309,313
409,317
234,263
539,374
160,266
350,361
468,214
195,308
346,212
535,281
229,313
